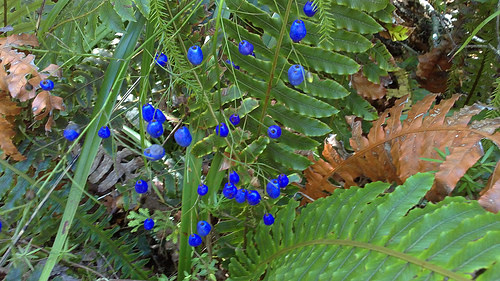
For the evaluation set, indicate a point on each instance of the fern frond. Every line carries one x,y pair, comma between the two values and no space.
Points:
377,235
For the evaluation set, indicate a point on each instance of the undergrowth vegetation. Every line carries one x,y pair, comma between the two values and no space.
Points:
250,140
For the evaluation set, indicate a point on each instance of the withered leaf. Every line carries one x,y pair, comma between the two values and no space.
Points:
43,105
490,195
367,89
393,150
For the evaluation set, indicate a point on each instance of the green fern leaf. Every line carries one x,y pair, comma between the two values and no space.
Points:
366,234
302,124
369,6
279,153
354,20
124,9
251,152
322,60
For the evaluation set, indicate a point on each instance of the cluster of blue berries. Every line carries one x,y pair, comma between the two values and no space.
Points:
203,228
230,191
155,119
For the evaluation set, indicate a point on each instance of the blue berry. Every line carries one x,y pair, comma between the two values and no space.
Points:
283,180
268,219
253,197
273,189
234,119
0,226
245,48
161,59
141,186
159,116
154,152
202,189
194,240
195,55
71,132
229,190
47,85
222,130
298,31
104,132
183,137
203,228
310,9
296,74
148,112
274,131
241,195
155,129
232,63
253,54
234,177
149,224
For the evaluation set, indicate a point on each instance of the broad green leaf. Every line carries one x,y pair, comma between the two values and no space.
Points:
382,57
301,103
213,142
256,16
349,236
360,107
365,5
302,124
329,62
347,41
281,154
252,151
125,9
143,6
110,18
354,20
328,89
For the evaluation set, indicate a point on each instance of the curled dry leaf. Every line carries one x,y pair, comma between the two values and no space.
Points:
490,195
8,109
393,150
367,89
20,78
432,68
44,104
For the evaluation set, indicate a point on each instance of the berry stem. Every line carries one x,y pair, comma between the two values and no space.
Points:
275,62
192,175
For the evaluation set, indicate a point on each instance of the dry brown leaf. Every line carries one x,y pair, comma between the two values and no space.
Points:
432,68
367,89
19,40
490,196
392,150
6,135
44,104
8,108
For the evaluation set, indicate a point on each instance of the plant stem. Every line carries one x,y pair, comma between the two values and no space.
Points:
275,62
113,79
192,170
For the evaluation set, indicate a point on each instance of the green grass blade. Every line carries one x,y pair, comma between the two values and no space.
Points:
106,99
192,171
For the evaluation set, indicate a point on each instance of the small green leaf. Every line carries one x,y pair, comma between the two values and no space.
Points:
322,60
252,151
354,20
282,154
125,9
306,125
327,89
382,57
343,40
110,18
301,103
143,6
369,6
